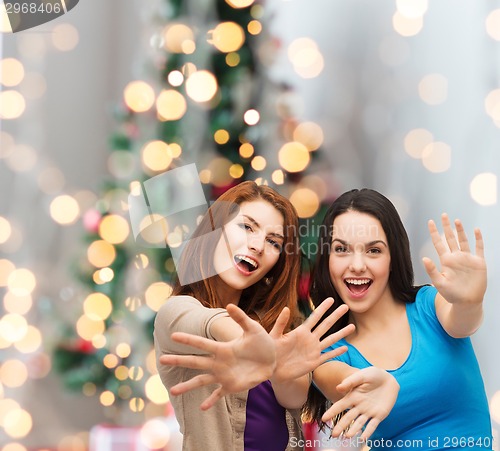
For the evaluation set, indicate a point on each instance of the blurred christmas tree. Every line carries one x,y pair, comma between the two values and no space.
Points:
206,99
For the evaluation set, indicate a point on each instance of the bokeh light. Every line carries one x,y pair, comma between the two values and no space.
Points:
495,407
179,38
21,282
412,9
65,37
306,58
13,373
227,37
201,86
171,105
310,134
407,26
433,89
11,72
239,3
436,157
294,157
12,104
100,253
483,189
251,117
305,201
5,230
156,295
139,96
155,390
258,163
493,24
416,141
97,306
64,210
17,423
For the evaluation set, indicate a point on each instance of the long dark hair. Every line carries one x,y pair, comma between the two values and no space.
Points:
401,278
268,299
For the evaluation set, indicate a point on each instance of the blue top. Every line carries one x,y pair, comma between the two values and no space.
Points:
265,427
442,403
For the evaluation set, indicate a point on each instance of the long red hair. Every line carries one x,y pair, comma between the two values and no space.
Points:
263,299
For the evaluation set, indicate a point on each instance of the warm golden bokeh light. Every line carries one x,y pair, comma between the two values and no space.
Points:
407,26
294,157
31,342
221,136
436,157
12,104
239,3
236,171
121,372
97,306
15,447
306,57
13,373
412,9
16,304
483,189
107,398
110,361
5,26
139,96
114,229
175,78
136,404
258,163
17,423
233,59
123,350
251,117
493,24
219,171
154,229
6,268
278,177
11,72
64,210
13,327
305,201
416,141
227,37
171,105
155,390
5,230
100,253
156,156
495,407
201,86
254,27
155,433
65,37
433,89
21,282
87,327
246,150
156,295
178,37
135,373
310,134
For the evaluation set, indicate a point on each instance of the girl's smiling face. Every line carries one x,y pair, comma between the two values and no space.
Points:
360,260
248,249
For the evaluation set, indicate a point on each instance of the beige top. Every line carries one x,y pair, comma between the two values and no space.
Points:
222,427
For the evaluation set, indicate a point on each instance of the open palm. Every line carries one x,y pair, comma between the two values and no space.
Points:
462,276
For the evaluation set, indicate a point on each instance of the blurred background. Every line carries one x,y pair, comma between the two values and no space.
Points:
312,98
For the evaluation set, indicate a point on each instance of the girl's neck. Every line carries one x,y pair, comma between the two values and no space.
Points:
225,294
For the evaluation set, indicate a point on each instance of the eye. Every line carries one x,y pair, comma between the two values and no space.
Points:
339,249
274,243
245,226
374,250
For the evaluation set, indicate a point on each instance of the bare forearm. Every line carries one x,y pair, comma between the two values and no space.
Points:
225,329
327,376
292,394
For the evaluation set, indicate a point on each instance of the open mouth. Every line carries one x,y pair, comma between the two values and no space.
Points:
245,263
357,286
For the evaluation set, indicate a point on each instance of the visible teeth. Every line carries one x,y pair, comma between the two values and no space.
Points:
358,281
249,260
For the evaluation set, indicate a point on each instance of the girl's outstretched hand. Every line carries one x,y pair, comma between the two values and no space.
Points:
462,276
298,352
369,396
235,365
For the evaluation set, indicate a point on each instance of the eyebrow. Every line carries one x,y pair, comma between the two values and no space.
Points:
256,224
370,243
